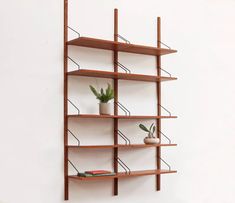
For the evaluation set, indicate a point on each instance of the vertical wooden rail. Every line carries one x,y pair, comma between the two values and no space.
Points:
66,181
115,133
158,149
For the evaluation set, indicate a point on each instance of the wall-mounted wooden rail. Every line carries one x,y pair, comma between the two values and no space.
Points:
115,121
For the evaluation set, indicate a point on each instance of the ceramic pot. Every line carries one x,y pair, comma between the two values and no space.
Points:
105,108
151,140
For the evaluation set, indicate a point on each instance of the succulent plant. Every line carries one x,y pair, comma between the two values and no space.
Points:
103,96
150,131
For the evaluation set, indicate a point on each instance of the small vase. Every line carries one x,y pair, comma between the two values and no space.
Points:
151,140
105,108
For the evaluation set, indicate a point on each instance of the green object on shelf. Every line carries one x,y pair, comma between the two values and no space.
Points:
84,175
150,130
103,96
96,175
106,174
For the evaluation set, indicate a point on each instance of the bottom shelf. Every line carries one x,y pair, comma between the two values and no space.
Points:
124,174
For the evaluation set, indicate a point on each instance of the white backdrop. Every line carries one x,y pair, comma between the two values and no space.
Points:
31,87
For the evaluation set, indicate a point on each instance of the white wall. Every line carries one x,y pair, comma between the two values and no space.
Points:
31,87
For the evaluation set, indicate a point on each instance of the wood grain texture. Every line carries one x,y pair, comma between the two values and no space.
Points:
119,46
66,181
124,146
125,175
118,116
158,121
118,75
115,121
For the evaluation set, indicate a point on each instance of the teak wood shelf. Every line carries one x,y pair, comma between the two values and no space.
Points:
116,47
125,175
118,116
118,75
118,146
119,46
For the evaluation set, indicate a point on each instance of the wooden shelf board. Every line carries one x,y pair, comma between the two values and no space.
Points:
123,76
124,175
117,116
119,46
118,146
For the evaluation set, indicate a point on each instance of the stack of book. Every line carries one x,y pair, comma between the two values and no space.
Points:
96,173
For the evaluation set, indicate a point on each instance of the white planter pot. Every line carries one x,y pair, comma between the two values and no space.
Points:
151,140
105,108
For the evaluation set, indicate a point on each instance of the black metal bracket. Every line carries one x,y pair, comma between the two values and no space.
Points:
74,62
169,167
165,136
164,44
123,165
165,71
125,138
165,109
74,167
75,31
74,106
123,67
74,137
125,110
123,38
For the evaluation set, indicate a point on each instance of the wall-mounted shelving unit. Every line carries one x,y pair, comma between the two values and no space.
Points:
116,47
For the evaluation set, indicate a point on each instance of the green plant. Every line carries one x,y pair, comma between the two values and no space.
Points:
151,129
103,96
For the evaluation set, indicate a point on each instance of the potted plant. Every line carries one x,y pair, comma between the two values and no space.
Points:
104,97
150,139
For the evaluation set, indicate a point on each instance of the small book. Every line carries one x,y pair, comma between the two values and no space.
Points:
84,175
106,174
96,172
96,175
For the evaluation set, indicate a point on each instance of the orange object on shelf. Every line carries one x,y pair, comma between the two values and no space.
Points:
94,172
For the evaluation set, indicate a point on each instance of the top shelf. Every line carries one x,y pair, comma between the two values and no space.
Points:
119,46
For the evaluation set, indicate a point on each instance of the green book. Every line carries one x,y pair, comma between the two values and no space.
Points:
105,174
84,175
97,175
